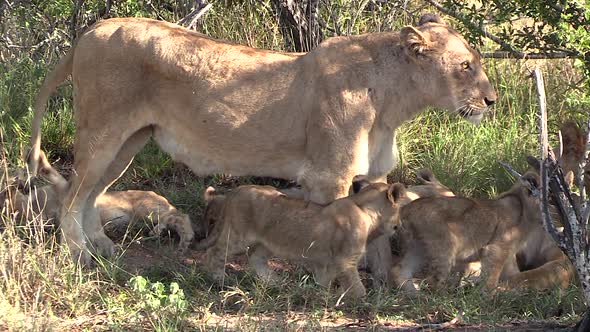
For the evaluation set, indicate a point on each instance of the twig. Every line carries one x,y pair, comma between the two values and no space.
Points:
522,55
198,15
510,169
548,224
193,17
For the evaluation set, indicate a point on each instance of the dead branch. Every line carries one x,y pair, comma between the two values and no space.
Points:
574,240
201,7
510,169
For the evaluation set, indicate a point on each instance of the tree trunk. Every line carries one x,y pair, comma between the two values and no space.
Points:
299,23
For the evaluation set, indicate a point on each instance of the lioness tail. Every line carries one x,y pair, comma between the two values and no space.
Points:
59,74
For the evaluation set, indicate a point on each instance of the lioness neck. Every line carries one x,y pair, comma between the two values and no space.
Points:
379,64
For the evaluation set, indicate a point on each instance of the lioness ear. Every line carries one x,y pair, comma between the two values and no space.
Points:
425,176
395,192
413,41
208,194
534,163
430,18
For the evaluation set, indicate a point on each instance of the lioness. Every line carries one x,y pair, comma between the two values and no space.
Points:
319,117
329,240
117,209
441,233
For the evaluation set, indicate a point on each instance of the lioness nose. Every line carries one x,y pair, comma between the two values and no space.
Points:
488,101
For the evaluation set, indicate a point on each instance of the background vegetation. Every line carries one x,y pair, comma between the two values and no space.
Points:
40,289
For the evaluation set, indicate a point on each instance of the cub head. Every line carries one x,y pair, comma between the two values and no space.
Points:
449,72
385,200
428,186
574,148
527,189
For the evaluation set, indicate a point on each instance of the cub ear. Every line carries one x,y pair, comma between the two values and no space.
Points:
430,18
395,192
425,176
413,41
208,194
534,163
358,184
531,181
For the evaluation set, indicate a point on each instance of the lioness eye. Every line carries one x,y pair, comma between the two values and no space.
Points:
465,65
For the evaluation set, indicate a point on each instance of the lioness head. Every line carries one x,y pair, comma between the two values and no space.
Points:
448,70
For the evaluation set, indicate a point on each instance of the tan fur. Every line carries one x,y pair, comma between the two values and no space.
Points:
120,208
117,208
442,233
319,117
329,240
543,264
379,258
213,211
574,149
428,186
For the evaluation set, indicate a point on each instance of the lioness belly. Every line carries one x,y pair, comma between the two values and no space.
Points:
207,158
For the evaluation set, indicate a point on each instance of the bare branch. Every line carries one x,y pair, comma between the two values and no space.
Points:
510,169
201,12
201,7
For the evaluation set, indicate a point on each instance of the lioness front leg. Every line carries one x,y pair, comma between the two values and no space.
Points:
324,187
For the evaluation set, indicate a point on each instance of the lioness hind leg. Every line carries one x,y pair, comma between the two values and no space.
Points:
259,262
96,169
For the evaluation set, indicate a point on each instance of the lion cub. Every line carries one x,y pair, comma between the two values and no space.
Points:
117,209
329,240
440,234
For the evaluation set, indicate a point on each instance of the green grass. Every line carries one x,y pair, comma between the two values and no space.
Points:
41,290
